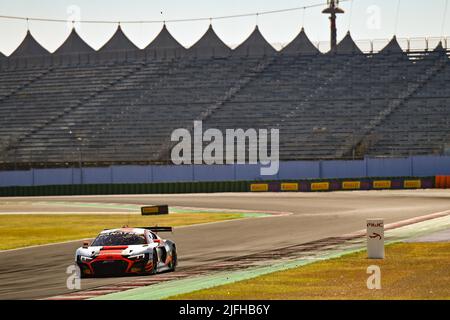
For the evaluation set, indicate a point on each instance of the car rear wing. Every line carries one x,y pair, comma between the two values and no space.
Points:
158,229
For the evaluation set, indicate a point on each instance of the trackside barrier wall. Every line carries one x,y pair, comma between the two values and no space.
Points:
149,188
417,166
344,184
224,186
227,178
442,182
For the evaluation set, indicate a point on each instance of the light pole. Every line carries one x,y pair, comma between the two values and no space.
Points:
332,10
80,159
79,142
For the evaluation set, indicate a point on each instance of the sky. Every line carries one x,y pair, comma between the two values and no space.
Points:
366,20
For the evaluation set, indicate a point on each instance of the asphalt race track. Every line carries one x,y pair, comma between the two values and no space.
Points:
40,272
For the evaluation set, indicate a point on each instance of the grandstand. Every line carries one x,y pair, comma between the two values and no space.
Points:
119,105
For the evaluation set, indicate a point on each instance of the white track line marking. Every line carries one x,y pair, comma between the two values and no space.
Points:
398,224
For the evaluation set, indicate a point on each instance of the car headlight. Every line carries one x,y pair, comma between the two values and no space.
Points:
85,259
137,256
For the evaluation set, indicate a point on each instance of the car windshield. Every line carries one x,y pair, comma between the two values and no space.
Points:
119,238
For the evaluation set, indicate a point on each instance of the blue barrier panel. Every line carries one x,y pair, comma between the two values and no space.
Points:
293,170
44,177
16,178
96,175
250,172
430,166
343,169
288,170
76,176
389,167
213,173
182,173
131,174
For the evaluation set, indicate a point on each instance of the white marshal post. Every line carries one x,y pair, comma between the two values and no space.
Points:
375,238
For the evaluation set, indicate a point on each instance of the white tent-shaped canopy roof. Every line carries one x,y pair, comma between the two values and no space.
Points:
118,42
347,46
301,45
73,44
209,45
392,47
165,44
29,47
255,45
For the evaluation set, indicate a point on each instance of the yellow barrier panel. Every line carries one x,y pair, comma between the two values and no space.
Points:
351,185
320,186
382,184
259,187
412,184
289,187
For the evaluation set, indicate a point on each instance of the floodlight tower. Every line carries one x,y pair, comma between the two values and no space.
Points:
332,10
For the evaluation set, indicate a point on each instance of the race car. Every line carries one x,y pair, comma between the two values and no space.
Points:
127,251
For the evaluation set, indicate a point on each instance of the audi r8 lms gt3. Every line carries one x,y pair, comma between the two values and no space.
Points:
127,251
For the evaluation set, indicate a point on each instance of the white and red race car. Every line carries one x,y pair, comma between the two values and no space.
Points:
127,251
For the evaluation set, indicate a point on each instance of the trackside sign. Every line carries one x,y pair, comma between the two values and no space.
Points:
351,185
412,184
289,187
375,238
382,184
259,187
320,186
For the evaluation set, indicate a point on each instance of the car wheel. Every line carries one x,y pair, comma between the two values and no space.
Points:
173,263
82,274
155,262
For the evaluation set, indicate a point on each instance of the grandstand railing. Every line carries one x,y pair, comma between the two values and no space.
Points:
416,44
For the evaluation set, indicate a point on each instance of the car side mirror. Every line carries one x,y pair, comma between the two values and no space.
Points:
85,244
